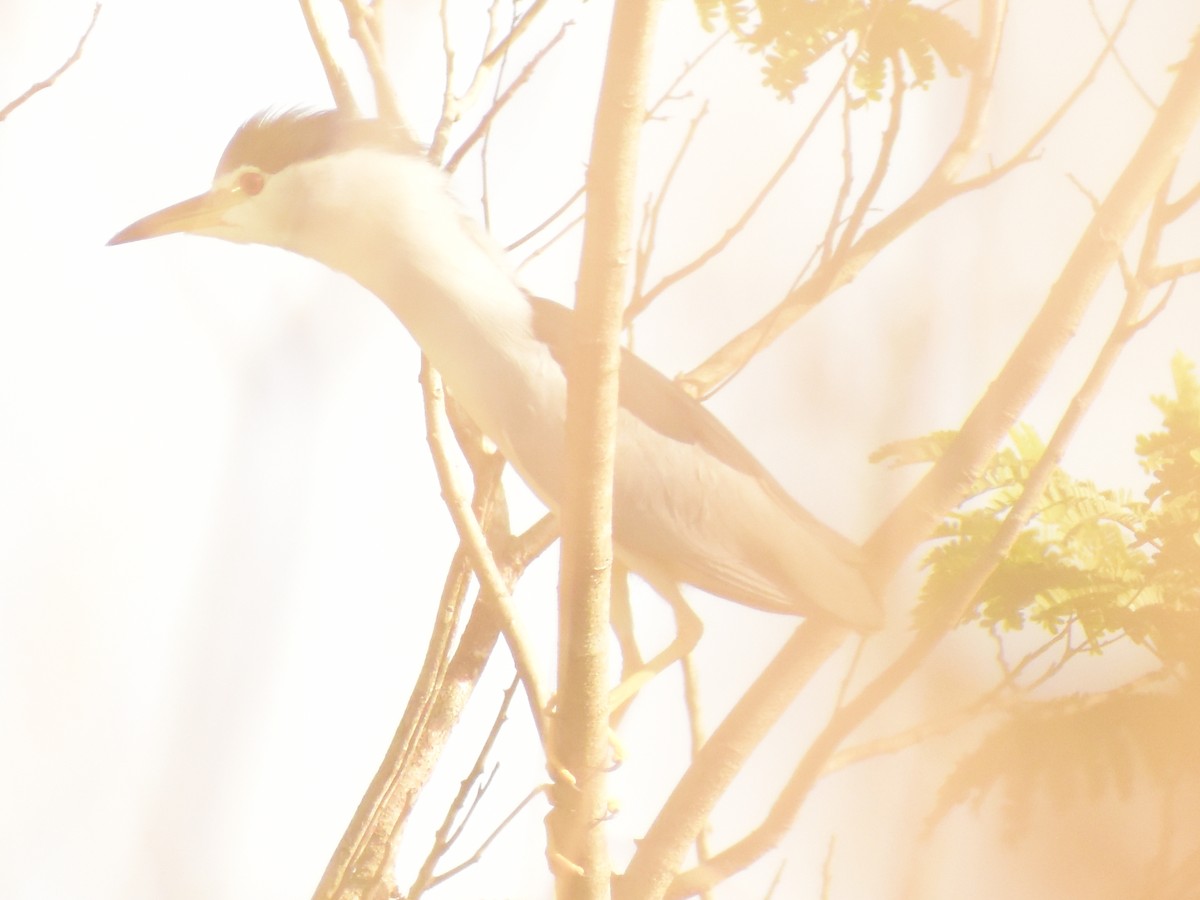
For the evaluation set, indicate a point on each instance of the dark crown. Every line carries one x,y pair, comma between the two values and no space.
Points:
272,141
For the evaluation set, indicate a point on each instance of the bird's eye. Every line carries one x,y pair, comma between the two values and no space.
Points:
251,182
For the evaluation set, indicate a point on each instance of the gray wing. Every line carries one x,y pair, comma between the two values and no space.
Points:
693,505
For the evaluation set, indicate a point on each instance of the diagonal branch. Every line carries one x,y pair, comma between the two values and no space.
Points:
47,82
447,833
522,77
1143,178
841,268
882,161
639,303
339,86
945,484
487,572
940,187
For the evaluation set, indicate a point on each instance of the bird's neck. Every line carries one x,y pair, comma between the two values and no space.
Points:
412,246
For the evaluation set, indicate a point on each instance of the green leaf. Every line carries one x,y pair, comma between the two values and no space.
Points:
793,35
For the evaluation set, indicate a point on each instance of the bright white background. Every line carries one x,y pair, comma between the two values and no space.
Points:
220,536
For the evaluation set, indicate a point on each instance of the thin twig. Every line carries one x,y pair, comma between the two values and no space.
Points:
1120,60
776,880
645,250
1148,171
478,854
482,560
363,855
1030,147
485,194
703,258
688,68
343,96
554,239
887,146
70,61
1175,271
385,95
485,123
1184,203
691,702
446,834
938,189
546,222
493,58
827,869
441,134
839,204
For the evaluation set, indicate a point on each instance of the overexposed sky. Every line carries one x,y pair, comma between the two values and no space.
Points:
221,540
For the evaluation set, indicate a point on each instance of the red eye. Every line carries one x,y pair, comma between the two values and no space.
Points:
251,183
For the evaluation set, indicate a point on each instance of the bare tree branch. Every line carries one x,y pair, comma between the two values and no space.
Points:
486,122
882,160
1120,60
661,852
361,30
645,250
575,826
943,486
343,96
639,303
487,842
492,58
490,579
546,222
42,85
1143,178
447,833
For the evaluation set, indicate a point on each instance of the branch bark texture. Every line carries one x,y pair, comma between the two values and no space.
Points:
581,729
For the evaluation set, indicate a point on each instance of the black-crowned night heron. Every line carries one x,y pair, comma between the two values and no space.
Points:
690,504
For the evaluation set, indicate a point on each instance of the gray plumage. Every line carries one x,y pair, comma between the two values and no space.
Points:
691,504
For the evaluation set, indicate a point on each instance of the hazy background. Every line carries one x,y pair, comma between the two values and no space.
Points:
221,539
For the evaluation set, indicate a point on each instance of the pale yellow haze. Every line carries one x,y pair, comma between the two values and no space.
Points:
222,542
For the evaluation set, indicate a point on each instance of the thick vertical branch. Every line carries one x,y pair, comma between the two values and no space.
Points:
581,738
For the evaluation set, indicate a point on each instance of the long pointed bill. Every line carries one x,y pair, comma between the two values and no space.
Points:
195,215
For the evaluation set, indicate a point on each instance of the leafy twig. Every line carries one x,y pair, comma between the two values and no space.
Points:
1144,176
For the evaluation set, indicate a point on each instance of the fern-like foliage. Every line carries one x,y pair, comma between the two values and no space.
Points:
1100,560
1078,748
1172,457
1080,557
792,35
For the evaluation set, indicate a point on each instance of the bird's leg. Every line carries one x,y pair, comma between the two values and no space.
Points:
621,616
688,629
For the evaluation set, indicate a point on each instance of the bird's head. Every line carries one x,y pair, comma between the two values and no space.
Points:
282,179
